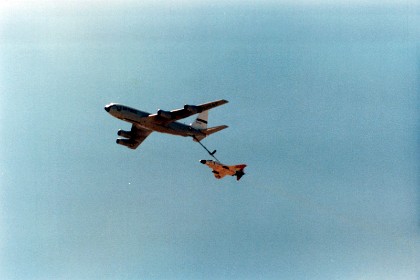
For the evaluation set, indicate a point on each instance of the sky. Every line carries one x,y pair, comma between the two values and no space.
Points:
323,108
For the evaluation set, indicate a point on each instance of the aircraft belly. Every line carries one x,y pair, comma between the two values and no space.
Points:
171,128
174,128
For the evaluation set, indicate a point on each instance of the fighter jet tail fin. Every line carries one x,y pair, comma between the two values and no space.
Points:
239,173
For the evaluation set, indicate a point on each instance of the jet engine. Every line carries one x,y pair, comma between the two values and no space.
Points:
123,133
192,109
125,142
164,114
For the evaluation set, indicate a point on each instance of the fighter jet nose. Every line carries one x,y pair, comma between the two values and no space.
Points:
107,108
203,161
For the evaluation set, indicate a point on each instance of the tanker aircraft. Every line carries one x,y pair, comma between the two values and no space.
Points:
144,123
220,170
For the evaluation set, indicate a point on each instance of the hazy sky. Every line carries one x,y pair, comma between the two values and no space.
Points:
324,109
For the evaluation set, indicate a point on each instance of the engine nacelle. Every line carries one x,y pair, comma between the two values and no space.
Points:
126,142
123,133
192,109
164,114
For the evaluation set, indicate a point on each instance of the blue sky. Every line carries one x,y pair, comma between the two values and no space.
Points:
324,109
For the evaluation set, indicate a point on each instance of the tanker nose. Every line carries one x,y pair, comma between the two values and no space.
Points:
203,161
107,108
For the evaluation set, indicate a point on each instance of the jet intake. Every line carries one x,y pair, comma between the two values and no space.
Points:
192,109
123,133
126,142
164,114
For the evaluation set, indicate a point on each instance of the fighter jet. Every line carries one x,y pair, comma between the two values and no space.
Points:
144,123
220,170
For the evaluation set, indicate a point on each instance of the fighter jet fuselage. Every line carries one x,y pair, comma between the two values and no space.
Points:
220,170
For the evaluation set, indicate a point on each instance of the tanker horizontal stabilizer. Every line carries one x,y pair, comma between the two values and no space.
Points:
208,131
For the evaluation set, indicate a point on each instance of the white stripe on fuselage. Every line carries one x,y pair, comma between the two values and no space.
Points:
141,118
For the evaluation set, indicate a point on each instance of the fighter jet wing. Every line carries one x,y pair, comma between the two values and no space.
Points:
187,111
219,175
220,170
138,135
